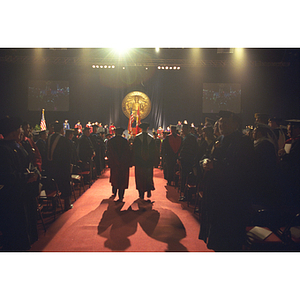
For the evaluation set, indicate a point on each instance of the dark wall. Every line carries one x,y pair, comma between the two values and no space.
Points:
96,95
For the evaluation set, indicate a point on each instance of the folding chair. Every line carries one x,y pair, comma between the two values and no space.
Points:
50,194
77,180
39,211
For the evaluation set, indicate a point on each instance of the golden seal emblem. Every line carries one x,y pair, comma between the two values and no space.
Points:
136,100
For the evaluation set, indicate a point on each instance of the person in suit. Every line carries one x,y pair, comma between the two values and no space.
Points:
118,153
144,159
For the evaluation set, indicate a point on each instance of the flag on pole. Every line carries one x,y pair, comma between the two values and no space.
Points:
138,120
131,119
43,122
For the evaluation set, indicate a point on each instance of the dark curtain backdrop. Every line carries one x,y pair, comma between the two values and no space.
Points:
96,95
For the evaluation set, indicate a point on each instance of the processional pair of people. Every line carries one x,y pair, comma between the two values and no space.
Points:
121,158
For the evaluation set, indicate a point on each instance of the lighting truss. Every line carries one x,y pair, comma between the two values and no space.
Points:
94,61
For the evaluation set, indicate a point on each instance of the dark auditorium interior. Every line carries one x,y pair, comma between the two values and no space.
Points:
91,83
99,78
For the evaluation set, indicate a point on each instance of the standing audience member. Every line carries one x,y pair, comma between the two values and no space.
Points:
66,126
17,231
29,143
227,187
274,123
73,150
266,168
86,151
290,163
261,118
59,162
187,157
171,148
119,159
112,128
157,149
208,140
41,143
144,156
78,126
216,129
95,139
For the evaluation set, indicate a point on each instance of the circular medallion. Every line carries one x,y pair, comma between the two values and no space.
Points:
135,100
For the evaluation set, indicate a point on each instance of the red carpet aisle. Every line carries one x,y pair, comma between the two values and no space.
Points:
98,223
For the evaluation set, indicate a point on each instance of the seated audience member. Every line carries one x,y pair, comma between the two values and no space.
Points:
15,210
59,162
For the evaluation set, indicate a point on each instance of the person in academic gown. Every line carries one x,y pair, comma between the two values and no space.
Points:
119,160
171,146
228,182
59,162
144,160
15,223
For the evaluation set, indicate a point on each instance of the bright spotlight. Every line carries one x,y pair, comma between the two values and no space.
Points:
239,53
105,66
93,66
159,67
121,50
157,49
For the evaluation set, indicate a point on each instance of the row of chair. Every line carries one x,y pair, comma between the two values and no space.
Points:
49,199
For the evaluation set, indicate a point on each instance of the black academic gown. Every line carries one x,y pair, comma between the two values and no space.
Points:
13,208
59,165
144,163
227,193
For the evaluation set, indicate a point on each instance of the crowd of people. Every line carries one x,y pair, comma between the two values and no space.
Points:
235,168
